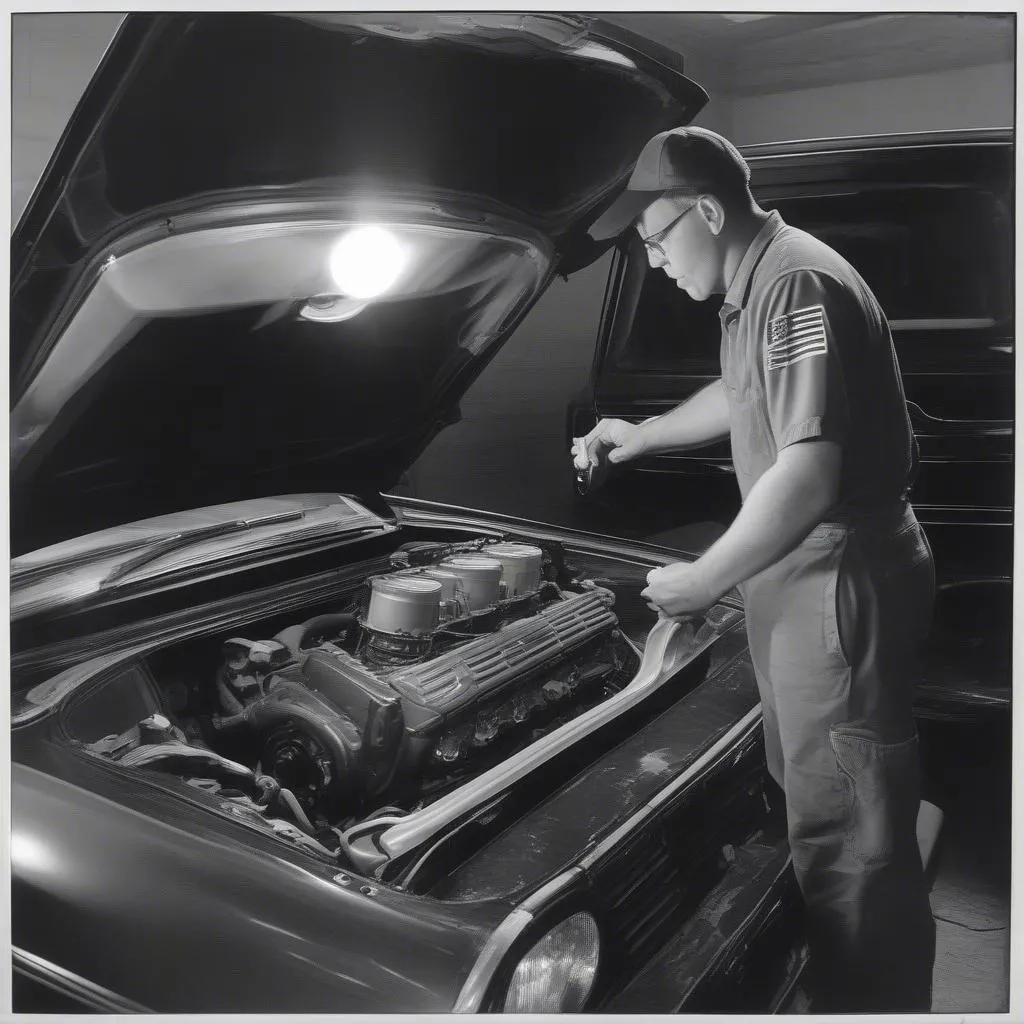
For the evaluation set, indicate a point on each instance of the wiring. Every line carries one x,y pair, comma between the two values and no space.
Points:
969,927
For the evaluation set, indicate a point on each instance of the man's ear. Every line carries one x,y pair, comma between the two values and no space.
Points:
713,213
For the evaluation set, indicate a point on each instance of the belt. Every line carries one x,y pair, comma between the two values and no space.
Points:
882,519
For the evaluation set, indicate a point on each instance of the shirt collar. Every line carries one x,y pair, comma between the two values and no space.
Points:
736,296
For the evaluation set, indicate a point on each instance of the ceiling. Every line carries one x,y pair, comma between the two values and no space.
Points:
746,54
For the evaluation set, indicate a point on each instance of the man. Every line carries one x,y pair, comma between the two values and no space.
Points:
836,574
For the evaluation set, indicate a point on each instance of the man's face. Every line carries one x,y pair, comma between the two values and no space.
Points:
683,245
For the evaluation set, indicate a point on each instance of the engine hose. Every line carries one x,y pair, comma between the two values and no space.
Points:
389,810
296,637
228,701
269,788
289,799
223,722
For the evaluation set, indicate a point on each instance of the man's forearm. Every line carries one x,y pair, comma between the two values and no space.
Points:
781,508
699,420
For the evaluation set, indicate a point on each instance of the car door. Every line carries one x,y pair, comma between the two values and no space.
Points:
930,230
929,227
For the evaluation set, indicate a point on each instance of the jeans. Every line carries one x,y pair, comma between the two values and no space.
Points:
835,628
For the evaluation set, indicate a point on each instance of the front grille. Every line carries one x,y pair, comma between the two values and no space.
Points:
648,888
644,895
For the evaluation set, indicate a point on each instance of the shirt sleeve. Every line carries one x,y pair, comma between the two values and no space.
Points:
803,368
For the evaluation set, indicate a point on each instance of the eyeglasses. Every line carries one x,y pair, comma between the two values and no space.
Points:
653,243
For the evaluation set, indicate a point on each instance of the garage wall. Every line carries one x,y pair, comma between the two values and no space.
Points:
53,56
718,113
973,97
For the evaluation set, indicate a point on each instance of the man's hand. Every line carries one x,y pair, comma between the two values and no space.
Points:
701,419
619,440
678,590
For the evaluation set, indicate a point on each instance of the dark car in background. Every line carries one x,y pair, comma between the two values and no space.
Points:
280,744
927,219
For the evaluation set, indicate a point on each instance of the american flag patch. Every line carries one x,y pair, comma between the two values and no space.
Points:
795,336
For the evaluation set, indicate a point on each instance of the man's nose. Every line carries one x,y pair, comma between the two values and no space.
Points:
656,259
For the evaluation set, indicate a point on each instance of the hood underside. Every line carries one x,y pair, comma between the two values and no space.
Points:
180,335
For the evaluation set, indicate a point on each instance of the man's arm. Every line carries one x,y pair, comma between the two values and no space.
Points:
701,419
783,506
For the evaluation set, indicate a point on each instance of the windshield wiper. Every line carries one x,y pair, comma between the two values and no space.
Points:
34,573
175,541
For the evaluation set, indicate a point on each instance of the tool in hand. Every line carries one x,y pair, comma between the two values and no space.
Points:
590,477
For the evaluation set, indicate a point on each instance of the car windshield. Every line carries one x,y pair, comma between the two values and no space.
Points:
79,569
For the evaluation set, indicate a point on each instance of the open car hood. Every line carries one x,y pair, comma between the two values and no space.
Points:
182,334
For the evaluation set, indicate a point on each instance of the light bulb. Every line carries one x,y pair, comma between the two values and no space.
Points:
366,262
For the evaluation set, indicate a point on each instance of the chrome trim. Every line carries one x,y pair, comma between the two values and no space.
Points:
481,975
942,324
789,991
744,725
68,983
917,147
471,996
1002,135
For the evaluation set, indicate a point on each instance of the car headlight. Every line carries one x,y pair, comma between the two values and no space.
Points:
558,972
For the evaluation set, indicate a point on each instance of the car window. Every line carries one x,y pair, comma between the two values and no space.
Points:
927,253
936,258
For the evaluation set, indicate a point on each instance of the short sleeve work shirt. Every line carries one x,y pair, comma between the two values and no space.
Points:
807,354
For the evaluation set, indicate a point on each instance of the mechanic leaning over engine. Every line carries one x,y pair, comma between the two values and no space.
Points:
835,572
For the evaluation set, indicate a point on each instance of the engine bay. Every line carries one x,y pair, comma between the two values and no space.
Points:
453,658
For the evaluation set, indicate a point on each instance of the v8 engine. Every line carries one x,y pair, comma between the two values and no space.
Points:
437,670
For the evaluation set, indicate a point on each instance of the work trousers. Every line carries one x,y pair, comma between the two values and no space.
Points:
835,628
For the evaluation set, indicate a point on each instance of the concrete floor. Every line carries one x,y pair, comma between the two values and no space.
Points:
968,775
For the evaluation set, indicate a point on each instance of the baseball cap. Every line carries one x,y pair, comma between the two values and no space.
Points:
689,159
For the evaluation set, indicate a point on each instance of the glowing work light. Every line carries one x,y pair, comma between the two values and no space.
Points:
366,262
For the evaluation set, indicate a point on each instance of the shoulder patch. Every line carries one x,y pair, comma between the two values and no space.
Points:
796,336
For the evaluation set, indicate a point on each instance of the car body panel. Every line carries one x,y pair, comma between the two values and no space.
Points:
148,249
40,986
258,926
152,882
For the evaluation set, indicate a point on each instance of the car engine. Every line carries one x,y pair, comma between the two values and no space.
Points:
436,670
